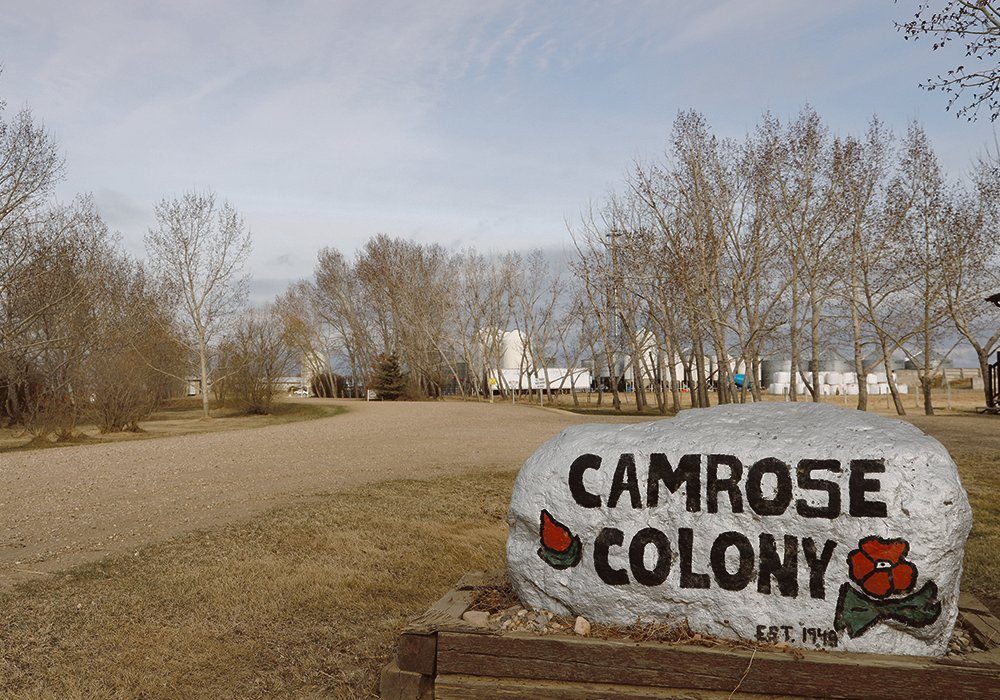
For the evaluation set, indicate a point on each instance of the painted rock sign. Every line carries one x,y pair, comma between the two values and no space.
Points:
791,523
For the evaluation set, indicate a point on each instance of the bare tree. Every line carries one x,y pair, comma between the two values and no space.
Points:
535,297
971,266
30,167
859,181
199,251
977,24
134,356
355,322
259,356
305,332
597,267
920,258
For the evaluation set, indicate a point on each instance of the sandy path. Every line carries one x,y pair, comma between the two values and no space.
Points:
64,506
69,505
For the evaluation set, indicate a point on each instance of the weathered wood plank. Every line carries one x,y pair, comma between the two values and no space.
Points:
396,684
417,652
479,579
838,675
984,628
967,601
981,623
459,687
446,611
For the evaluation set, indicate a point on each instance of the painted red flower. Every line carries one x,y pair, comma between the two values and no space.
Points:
560,549
555,535
880,568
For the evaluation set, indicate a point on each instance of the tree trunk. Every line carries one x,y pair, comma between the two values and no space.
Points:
700,385
616,400
675,390
890,380
859,360
753,373
984,370
815,352
793,338
637,384
203,361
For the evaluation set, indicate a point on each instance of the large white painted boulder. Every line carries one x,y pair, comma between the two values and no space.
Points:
803,524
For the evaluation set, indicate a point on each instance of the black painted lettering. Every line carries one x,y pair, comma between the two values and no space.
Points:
688,472
730,484
581,495
859,485
755,489
606,539
785,572
732,581
685,543
817,565
625,479
808,483
637,555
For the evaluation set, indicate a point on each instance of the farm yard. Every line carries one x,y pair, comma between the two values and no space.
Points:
284,559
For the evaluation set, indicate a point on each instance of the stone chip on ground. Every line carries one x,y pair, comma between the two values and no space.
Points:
479,618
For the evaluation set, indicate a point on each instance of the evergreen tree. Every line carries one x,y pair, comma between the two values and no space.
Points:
388,378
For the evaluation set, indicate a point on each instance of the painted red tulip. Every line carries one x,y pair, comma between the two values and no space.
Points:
560,548
555,535
879,567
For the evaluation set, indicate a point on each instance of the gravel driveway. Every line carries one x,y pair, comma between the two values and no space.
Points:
60,507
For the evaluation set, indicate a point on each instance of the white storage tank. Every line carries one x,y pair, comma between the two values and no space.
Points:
512,356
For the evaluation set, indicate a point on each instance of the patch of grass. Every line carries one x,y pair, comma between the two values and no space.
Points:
178,417
974,443
306,600
608,410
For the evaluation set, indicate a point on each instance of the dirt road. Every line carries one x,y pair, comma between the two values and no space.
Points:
60,507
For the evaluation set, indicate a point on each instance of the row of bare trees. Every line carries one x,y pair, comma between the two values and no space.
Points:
790,242
79,321
796,243
441,313
89,334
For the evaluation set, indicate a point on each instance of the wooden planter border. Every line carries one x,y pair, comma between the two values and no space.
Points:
440,656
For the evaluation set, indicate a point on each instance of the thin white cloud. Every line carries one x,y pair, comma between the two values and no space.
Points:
447,120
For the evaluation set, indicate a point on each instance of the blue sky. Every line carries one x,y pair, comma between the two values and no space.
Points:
466,123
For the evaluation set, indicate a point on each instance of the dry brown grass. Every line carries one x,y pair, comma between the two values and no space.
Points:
177,417
306,600
945,403
974,443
